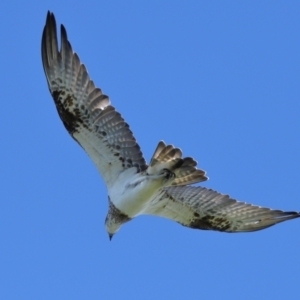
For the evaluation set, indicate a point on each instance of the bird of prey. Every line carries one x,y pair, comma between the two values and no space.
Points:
161,188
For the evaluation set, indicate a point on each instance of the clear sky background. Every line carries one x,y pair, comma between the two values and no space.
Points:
220,80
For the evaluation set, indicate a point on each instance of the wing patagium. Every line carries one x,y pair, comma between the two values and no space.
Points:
85,111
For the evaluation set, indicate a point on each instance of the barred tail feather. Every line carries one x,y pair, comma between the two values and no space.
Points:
169,157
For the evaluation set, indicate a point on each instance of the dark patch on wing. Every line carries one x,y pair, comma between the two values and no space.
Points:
70,120
211,223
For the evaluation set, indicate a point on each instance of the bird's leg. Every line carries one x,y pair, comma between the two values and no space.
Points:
168,174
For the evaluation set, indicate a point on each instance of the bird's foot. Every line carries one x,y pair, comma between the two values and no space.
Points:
169,175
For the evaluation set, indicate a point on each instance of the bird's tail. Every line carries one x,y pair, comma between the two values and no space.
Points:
169,157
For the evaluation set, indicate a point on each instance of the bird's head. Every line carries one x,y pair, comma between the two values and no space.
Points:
114,219
111,226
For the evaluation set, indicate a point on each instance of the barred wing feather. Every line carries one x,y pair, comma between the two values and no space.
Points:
85,111
202,208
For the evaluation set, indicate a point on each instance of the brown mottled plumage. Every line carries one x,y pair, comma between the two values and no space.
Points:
134,188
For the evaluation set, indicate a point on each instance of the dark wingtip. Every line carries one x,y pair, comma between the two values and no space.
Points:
63,31
291,215
50,19
49,32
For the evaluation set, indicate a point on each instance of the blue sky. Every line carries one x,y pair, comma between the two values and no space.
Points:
220,80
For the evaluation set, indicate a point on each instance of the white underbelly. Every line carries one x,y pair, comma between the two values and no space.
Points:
132,198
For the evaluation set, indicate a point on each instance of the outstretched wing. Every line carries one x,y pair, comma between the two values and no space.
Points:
85,111
202,208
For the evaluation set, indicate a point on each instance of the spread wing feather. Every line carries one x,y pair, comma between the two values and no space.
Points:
202,208
85,111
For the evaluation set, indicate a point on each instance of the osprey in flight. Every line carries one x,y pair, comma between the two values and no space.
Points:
162,188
